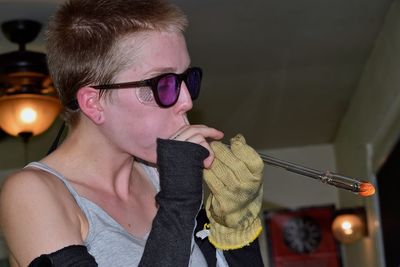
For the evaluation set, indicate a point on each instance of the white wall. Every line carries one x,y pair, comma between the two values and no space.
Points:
283,189
369,130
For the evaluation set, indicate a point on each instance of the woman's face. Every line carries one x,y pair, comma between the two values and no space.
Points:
132,126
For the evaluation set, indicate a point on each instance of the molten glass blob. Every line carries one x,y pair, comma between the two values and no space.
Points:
366,189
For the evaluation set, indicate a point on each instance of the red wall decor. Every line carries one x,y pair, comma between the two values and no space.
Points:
302,237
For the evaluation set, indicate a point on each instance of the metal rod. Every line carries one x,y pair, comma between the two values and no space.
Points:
327,177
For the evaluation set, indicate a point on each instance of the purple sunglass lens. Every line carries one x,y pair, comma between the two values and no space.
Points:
167,89
193,81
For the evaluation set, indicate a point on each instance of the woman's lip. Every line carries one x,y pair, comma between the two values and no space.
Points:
186,120
177,132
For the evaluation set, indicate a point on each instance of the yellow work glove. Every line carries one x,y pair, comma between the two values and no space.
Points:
234,204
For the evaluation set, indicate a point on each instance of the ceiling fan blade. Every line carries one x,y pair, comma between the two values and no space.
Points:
25,82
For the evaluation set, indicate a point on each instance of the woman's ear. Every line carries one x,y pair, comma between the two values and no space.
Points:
90,104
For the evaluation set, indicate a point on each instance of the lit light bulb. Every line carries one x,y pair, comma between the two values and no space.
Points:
347,227
28,115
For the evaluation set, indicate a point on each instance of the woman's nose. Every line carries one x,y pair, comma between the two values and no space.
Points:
184,102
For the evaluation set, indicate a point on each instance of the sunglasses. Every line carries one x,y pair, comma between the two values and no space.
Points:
165,87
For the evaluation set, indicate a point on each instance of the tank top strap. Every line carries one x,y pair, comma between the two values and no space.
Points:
44,167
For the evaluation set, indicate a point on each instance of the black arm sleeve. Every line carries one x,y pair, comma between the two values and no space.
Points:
71,256
181,169
247,256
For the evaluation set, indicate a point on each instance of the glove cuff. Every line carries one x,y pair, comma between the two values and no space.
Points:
225,238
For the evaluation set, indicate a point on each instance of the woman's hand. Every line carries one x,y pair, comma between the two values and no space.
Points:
199,134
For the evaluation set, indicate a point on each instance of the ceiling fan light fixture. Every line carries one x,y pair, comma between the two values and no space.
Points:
28,102
27,113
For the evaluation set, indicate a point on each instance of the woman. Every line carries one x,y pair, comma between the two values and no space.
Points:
123,75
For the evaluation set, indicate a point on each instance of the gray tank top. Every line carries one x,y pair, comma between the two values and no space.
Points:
107,240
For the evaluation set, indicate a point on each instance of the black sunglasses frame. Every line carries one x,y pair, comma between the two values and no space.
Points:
153,83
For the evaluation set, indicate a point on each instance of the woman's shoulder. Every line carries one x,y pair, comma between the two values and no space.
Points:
31,189
37,214
31,183
35,188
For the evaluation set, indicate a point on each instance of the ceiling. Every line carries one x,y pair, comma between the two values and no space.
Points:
282,72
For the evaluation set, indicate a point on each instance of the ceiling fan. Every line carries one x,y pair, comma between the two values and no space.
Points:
23,71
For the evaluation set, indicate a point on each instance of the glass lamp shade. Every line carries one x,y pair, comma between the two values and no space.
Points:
348,228
27,113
